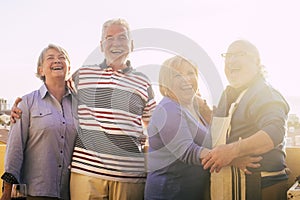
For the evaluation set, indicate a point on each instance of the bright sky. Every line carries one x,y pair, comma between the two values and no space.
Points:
28,26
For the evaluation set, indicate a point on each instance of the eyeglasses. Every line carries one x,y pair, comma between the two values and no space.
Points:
230,55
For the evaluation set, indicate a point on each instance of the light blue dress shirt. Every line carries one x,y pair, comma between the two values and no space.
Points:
41,143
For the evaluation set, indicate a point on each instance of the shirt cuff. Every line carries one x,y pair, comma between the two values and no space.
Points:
9,178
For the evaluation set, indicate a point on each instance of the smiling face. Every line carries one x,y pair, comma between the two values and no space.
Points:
178,80
184,84
116,45
55,66
242,63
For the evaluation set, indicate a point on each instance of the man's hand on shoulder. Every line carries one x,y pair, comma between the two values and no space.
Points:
15,112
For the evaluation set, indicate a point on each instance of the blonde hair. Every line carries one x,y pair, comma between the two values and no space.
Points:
167,70
117,21
41,58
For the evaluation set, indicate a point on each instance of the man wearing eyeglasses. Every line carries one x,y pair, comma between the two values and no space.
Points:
256,114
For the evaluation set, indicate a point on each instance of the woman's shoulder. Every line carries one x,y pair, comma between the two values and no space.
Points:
166,108
29,98
168,104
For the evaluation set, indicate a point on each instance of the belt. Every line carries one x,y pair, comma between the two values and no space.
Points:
265,174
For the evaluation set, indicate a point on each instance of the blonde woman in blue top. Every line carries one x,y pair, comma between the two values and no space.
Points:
176,135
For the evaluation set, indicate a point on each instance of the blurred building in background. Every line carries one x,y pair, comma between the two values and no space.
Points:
293,132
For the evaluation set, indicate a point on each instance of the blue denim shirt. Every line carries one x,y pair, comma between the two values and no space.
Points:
41,143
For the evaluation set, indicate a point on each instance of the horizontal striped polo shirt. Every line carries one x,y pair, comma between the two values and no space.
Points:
110,108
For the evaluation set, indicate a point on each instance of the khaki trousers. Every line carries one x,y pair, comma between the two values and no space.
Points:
84,187
41,198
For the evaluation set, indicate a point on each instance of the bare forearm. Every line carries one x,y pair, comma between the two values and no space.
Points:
6,190
223,155
256,144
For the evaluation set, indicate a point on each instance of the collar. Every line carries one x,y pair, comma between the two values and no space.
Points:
233,93
255,80
126,70
44,91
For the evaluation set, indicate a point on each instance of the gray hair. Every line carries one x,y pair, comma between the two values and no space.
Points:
41,58
117,21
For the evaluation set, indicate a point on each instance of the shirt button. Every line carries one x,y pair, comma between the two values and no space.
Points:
59,166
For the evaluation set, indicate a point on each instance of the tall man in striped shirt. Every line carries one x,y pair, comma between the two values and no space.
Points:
114,102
